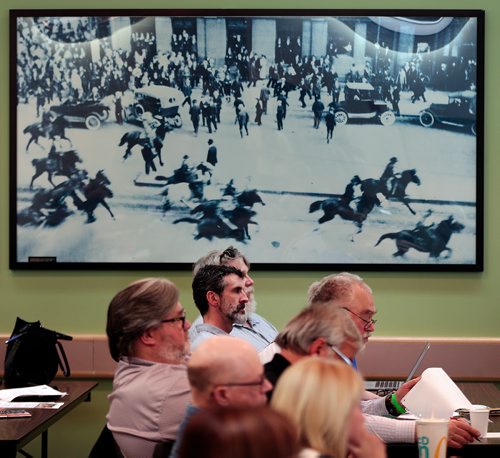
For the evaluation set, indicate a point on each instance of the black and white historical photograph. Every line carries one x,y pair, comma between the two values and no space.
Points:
304,141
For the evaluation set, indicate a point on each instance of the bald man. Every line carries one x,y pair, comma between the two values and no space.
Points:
224,371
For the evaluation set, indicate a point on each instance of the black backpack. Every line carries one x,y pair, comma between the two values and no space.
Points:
34,355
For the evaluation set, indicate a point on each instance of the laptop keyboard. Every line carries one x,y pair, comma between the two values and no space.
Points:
383,386
387,385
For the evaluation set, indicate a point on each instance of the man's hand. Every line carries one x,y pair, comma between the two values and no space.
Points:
460,432
403,390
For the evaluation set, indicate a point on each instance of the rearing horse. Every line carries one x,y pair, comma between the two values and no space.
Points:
136,137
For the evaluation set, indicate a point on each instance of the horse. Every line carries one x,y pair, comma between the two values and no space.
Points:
249,198
394,190
243,118
229,189
55,163
95,192
427,239
137,137
183,174
48,206
218,222
241,216
336,206
56,129
398,185
42,207
193,176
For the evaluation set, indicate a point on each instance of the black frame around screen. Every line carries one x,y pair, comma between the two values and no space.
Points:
291,169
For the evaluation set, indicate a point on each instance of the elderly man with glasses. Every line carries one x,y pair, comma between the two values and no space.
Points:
350,293
224,371
329,332
148,337
323,331
254,328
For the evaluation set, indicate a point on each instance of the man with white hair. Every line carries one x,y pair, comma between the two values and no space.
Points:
350,292
352,295
255,329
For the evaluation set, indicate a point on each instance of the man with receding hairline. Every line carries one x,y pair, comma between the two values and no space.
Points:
351,293
224,371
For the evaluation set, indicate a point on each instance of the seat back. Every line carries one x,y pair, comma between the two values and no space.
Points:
106,446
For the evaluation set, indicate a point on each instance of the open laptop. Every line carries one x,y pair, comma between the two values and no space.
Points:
391,385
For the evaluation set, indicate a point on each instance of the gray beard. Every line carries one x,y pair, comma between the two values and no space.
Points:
250,308
239,318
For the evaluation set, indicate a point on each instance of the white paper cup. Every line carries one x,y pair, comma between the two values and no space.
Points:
479,420
432,437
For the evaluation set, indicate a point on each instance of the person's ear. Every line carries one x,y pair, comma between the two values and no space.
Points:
213,298
220,396
148,337
318,347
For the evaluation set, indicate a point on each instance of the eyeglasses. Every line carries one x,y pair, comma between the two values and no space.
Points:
259,382
368,323
181,318
341,355
228,253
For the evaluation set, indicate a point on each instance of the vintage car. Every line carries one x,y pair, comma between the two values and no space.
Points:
160,101
90,113
460,111
361,101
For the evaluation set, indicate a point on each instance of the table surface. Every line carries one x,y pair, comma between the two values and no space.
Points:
477,393
17,432
487,394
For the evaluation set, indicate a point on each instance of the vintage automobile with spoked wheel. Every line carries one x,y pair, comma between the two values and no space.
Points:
90,113
460,111
361,101
161,101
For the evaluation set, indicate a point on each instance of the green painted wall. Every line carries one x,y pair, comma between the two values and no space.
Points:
410,304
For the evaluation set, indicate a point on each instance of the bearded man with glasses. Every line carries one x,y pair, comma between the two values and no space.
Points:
224,371
350,293
148,336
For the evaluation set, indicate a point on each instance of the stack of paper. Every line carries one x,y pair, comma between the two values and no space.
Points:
435,396
38,392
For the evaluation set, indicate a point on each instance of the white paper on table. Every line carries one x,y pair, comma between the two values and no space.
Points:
30,405
10,394
435,395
